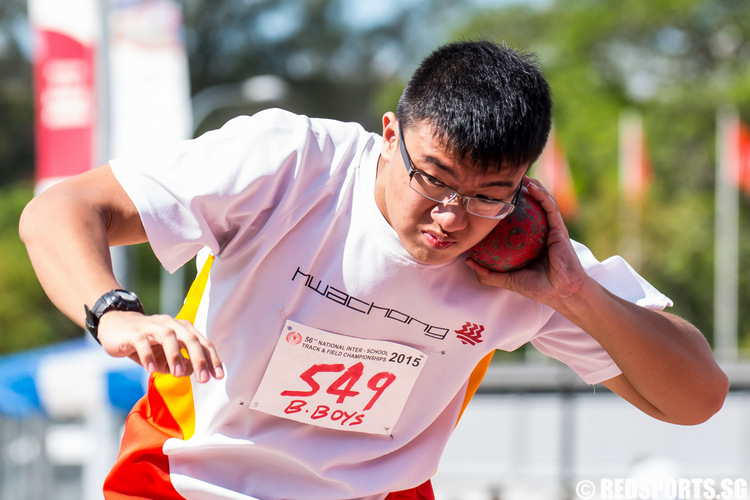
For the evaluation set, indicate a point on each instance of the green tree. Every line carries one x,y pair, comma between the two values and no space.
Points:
27,318
334,63
16,107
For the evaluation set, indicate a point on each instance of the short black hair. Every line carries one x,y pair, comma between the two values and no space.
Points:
485,102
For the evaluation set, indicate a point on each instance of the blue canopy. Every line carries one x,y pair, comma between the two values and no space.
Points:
67,379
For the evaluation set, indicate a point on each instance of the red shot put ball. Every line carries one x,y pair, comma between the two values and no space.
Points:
516,240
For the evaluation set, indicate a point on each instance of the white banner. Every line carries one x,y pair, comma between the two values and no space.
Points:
149,80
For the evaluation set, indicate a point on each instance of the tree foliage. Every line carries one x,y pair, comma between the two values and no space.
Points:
16,108
334,63
27,318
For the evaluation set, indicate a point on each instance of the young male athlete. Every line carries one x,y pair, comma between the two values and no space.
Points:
336,329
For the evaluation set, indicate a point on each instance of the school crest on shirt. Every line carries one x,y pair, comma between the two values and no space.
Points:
470,333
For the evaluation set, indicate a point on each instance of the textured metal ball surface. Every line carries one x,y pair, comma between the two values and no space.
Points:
516,240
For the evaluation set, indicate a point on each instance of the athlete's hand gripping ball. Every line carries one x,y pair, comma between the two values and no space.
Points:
516,240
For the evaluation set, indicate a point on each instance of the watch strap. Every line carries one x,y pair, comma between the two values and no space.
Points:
113,300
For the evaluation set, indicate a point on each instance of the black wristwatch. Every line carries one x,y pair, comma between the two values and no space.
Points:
114,300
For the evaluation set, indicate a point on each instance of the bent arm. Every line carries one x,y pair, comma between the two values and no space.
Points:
668,368
68,230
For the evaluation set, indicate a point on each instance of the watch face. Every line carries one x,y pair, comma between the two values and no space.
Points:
120,300
127,296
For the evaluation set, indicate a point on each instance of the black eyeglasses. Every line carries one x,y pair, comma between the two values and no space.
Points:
433,189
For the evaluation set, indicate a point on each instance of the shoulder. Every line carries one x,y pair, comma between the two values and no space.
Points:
275,122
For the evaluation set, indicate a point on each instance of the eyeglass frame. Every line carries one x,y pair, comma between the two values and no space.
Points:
411,170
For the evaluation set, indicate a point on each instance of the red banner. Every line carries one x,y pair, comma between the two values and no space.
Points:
635,167
553,171
743,157
64,92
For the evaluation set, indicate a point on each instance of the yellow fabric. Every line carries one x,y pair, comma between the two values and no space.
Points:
178,391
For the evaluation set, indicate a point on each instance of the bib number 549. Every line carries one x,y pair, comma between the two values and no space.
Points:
343,386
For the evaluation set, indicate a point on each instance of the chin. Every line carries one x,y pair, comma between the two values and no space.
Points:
434,258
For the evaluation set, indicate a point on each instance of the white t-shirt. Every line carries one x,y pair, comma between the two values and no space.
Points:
286,204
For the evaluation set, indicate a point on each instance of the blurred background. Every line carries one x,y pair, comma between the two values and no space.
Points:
649,158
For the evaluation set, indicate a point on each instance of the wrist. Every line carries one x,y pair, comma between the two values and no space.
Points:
584,301
114,300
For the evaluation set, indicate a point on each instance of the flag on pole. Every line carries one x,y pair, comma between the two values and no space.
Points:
737,144
66,35
553,171
635,167
729,165
634,172
744,157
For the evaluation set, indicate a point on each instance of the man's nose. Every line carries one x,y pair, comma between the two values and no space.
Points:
451,215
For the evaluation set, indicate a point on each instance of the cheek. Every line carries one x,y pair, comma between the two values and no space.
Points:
409,207
419,210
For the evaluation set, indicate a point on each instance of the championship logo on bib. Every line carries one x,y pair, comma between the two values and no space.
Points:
338,382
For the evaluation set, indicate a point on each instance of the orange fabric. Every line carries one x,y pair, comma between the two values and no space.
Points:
475,379
166,411
142,469
421,492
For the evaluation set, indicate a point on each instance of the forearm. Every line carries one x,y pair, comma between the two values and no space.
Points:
68,230
68,248
665,359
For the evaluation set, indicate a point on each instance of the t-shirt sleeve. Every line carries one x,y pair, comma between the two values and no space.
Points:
204,192
559,338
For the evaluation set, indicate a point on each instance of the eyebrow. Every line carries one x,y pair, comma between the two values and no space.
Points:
449,170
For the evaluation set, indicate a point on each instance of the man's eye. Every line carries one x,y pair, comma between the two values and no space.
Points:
485,199
432,181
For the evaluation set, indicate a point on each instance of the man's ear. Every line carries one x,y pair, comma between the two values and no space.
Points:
390,136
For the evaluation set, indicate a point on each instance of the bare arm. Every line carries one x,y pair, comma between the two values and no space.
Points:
668,369
68,230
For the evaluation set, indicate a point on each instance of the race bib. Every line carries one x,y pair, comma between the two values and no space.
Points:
338,382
